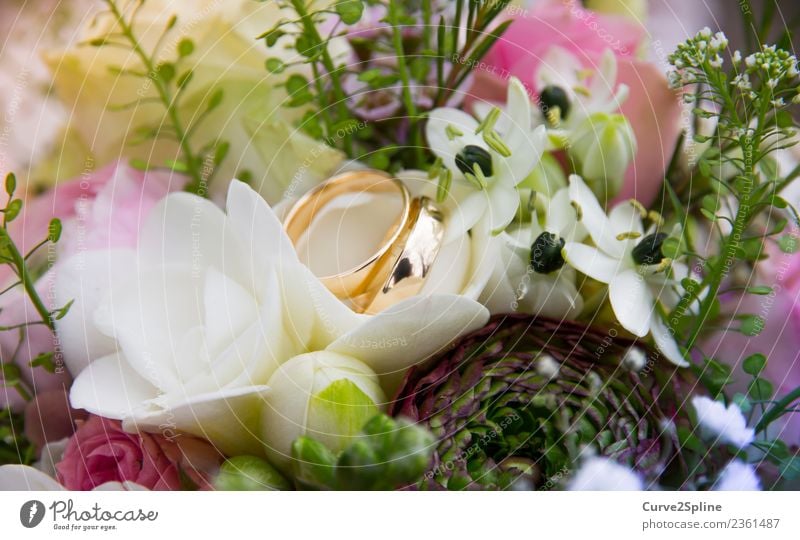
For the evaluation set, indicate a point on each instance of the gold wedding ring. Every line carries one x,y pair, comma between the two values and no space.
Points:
399,267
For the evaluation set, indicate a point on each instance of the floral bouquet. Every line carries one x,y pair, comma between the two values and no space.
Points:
379,245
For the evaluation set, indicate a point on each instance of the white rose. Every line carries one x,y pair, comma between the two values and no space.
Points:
206,309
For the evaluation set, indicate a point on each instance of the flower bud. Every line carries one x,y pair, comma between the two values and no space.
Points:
323,395
249,473
603,146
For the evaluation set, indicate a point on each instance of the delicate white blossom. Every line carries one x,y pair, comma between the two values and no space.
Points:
727,425
603,474
630,261
738,476
486,160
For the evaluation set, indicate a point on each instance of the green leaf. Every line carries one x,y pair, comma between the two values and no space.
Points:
760,389
743,402
754,364
177,165
11,374
350,11
275,65
221,152
184,79
11,183
751,325
711,203
790,469
671,248
185,47
45,361
216,99
166,71
61,312
13,209
788,244
272,36
759,289
296,84
54,230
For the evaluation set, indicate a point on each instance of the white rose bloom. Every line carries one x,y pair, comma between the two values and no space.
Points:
728,425
603,474
186,334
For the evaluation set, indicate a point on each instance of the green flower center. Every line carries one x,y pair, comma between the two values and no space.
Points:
552,97
546,253
648,251
473,155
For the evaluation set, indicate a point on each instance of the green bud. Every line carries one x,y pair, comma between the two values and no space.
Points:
249,473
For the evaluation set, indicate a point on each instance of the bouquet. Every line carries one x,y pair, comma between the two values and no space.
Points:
380,245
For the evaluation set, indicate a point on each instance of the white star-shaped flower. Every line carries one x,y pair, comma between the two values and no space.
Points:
487,159
629,261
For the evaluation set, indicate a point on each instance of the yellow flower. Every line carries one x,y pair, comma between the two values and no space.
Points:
252,116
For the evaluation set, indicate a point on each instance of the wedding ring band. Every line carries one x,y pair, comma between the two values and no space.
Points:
398,268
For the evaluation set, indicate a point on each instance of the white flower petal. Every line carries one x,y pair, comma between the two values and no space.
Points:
409,332
592,262
526,154
441,143
462,216
229,417
738,476
229,309
625,218
110,388
603,474
632,302
665,341
594,218
503,206
517,115
185,228
257,228
146,314
26,478
725,424
84,280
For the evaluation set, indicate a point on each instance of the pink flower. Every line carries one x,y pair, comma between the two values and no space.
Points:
100,210
100,452
652,108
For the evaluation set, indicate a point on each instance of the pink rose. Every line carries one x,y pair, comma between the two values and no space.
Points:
652,108
100,210
100,452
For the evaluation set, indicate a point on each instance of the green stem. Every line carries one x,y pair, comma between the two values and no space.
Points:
30,286
197,184
405,78
777,410
327,62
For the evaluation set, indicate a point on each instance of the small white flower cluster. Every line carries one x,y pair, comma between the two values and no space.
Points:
703,48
